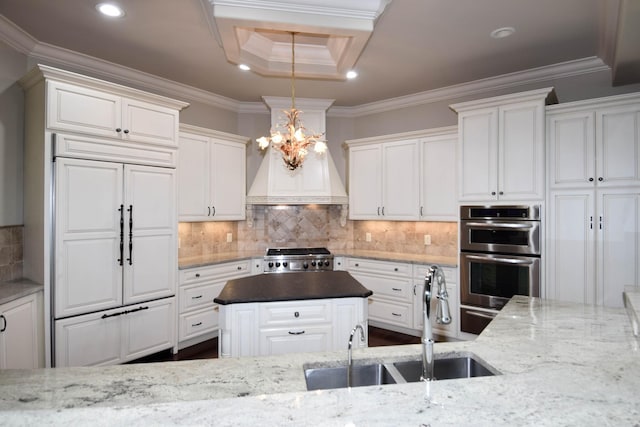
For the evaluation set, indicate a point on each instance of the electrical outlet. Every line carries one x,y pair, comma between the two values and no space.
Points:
178,243
229,237
367,237
427,239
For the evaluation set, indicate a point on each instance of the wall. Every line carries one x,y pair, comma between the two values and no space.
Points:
12,66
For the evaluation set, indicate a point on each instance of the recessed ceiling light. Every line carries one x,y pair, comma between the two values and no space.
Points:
244,67
503,32
352,74
110,9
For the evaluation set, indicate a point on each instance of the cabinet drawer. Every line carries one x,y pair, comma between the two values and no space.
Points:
227,271
295,340
298,313
199,296
198,322
400,289
389,312
379,267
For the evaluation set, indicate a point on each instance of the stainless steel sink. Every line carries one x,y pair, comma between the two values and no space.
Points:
446,368
362,375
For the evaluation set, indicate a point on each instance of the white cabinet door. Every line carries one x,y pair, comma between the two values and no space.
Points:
84,110
151,261
438,200
365,182
618,146
149,330
521,151
401,180
228,180
88,262
21,340
571,146
145,122
193,178
478,154
571,267
618,250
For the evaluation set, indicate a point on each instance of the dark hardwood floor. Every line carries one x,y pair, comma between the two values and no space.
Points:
209,349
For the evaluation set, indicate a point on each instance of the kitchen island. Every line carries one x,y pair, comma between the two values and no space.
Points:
561,364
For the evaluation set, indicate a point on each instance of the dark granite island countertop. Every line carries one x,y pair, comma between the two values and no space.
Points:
271,287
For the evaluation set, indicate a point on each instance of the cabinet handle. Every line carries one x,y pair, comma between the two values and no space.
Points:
396,289
214,211
239,267
420,210
396,314
378,210
196,324
600,224
4,320
130,210
126,131
296,333
600,179
383,211
591,179
209,211
197,297
121,234
104,316
118,130
590,223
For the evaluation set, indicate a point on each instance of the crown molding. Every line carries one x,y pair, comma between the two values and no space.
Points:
21,41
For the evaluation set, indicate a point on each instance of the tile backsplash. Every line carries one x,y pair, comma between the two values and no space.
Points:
11,240
315,226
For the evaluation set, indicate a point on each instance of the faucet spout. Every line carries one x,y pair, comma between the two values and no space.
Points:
350,361
443,316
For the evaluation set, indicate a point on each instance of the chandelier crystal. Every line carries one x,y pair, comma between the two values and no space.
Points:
289,136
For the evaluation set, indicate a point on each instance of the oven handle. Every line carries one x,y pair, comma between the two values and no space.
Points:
500,225
503,260
478,314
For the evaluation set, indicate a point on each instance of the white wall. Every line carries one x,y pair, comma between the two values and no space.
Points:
13,65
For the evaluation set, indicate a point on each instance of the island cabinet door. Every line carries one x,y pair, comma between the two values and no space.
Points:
295,339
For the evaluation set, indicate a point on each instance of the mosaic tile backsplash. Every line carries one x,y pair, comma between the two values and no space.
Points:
314,226
11,240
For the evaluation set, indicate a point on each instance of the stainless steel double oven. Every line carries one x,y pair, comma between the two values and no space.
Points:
499,258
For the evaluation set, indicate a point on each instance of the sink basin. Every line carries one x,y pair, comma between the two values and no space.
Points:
362,375
445,369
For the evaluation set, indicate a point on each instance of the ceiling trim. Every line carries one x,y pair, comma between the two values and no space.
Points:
23,42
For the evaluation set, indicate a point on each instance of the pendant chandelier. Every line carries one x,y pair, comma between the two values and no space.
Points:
289,137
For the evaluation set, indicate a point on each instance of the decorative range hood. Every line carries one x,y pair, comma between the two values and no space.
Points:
316,182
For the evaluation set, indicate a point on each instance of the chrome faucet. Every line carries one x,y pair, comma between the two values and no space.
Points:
350,361
443,316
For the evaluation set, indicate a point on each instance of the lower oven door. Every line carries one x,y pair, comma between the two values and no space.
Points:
490,280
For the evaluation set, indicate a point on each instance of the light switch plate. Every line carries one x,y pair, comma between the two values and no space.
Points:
367,237
427,239
229,237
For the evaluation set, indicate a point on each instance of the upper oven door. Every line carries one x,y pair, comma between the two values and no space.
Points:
500,236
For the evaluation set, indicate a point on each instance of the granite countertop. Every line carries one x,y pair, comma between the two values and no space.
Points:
561,364
15,289
291,286
211,259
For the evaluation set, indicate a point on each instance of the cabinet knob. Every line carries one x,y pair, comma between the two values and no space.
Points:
600,179
197,274
296,314
239,267
591,179
118,130
501,193
395,269
126,131
493,193
357,265
4,320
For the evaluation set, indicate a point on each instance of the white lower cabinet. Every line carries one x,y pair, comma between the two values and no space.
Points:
198,318
450,275
391,282
21,334
115,336
252,329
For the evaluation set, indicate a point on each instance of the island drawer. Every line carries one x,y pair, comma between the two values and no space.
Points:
295,313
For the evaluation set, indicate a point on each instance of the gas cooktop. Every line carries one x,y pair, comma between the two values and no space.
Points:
283,260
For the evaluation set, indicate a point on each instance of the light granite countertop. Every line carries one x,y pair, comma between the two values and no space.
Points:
217,258
15,289
561,364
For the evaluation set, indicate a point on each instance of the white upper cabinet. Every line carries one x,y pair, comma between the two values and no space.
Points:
501,147
594,144
438,176
365,181
211,175
80,109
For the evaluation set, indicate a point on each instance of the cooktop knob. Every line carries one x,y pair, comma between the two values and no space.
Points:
326,263
270,264
305,265
285,264
313,263
277,264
